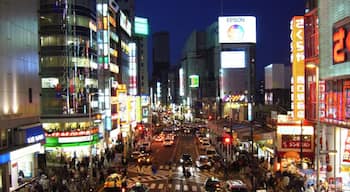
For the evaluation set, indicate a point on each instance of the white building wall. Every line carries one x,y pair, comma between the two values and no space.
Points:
19,67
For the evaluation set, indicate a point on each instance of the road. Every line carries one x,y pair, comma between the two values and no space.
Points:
170,178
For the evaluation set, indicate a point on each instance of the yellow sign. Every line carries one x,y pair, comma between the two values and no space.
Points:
297,59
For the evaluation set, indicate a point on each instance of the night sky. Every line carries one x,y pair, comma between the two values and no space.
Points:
181,17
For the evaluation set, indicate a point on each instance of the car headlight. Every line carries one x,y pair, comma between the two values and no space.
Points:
148,160
181,161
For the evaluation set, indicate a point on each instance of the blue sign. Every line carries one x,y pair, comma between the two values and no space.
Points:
35,134
4,158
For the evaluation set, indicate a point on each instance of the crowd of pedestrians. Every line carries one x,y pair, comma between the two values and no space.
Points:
73,174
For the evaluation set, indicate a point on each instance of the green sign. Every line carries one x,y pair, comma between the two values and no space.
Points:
141,26
194,81
55,141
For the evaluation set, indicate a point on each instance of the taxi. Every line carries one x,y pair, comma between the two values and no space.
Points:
115,182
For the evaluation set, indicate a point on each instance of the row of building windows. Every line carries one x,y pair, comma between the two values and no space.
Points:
56,19
62,40
63,61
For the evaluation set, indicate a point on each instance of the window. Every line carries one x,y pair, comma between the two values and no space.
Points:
30,94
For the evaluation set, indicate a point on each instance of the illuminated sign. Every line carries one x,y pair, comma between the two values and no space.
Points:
71,133
141,26
35,134
232,59
49,82
114,68
74,139
297,59
132,70
237,29
181,82
144,100
25,151
112,21
194,81
341,41
125,23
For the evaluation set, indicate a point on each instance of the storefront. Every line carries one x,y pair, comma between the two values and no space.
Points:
65,147
24,160
265,145
294,145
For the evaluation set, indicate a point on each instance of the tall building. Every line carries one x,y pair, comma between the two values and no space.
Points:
69,72
334,95
21,133
277,85
161,63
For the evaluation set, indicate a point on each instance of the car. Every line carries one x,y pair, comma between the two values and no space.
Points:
115,182
168,142
186,159
203,162
145,159
203,146
158,138
210,152
135,155
138,187
145,147
204,140
187,131
235,186
212,184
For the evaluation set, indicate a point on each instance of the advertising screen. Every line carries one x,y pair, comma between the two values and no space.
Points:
232,59
237,29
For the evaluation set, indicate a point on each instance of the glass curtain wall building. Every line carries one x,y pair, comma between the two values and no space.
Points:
69,76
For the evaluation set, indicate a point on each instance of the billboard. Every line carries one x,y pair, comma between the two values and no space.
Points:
194,81
298,64
233,59
237,29
141,26
125,23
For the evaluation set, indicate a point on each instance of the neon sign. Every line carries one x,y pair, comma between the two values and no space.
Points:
341,41
71,133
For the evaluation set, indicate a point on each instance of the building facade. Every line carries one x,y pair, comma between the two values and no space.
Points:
334,70
277,85
21,133
69,72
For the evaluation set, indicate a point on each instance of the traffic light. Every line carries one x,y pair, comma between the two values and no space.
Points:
140,127
227,140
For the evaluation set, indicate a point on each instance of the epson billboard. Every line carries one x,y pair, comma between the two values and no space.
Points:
237,29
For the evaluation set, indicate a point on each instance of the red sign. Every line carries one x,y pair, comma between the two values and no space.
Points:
293,141
341,41
71,133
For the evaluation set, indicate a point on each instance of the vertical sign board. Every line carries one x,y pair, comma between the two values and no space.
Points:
298,71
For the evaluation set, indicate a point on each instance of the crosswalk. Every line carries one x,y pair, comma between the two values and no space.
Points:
175,187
